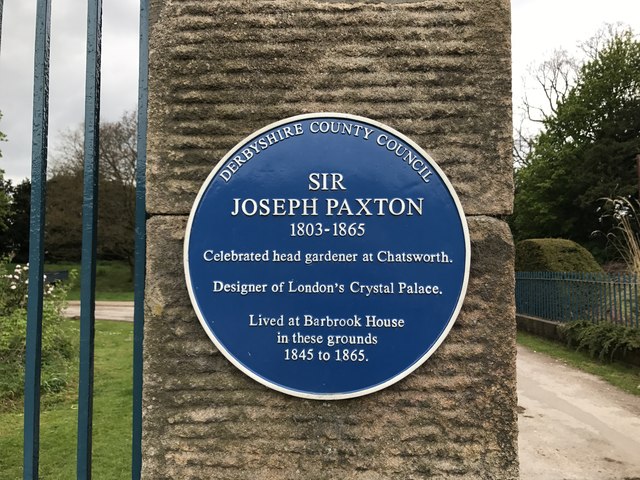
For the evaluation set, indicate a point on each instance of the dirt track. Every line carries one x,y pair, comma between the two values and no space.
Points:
574,425
119,311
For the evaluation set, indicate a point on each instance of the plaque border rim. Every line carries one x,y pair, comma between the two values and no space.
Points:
328,396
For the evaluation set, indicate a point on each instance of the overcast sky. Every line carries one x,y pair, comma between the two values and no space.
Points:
539,27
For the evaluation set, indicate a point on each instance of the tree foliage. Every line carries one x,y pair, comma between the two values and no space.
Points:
5,203
117,151
5,187
116,198
587,149
14,216
14,240
553,78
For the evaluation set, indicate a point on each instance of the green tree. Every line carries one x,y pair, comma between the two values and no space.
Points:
63,232
586,151
14,240
20,214
5,203
116,209
5,195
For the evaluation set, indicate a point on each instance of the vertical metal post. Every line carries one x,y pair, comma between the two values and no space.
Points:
534,286
595,298
602,297
614,292
573,295
559,278
140,242
537,284
545,294
89,237
549,295
620,283
555,296
627,300
589,300
36,240
580,296
592,297
532,294
611,297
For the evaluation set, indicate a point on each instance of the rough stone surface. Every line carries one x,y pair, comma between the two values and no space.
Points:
438,71
454,417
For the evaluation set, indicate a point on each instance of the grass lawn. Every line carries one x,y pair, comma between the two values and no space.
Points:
58,423
623,376
114,280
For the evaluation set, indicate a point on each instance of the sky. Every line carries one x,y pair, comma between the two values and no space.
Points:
538,28
68,60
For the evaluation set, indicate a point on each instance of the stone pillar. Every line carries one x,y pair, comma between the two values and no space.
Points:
437,71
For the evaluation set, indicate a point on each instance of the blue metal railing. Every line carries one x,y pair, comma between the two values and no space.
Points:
141,236
89,238
89,214
36,240
563,297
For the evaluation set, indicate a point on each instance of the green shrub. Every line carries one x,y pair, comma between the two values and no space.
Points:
58,350
554,255
602,340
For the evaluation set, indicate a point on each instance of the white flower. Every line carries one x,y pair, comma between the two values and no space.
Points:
12,287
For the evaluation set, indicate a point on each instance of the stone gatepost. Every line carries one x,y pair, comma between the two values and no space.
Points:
439,72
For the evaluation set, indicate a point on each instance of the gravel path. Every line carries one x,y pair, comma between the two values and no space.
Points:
574,425
119,311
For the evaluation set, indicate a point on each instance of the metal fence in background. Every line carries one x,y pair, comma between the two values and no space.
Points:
568,296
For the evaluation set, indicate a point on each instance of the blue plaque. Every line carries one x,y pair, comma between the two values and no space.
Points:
327,256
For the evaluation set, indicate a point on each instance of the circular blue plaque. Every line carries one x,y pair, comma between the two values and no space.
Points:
327,256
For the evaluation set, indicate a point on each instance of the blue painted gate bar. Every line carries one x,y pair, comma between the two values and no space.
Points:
36,240
140,242
89,236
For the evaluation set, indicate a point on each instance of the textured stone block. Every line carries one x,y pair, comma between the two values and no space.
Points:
438,71
454,417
